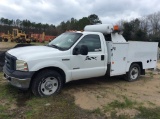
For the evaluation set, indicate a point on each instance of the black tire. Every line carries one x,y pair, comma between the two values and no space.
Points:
134,73
22,40
47,83
17,40
5,40
0,39
28,41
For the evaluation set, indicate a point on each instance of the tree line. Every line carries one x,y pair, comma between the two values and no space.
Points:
145,28
27,26
49,29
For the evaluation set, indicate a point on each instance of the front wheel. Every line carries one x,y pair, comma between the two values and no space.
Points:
134,73
47,83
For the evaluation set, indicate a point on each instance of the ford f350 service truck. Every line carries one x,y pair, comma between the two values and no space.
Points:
97,51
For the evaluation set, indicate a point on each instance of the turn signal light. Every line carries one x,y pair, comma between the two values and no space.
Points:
116,28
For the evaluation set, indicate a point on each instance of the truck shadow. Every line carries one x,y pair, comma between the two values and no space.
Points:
94,81
21,96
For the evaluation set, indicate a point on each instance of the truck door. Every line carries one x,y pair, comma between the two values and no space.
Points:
91,65
118,59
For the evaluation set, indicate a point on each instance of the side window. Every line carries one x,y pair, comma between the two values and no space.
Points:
92,42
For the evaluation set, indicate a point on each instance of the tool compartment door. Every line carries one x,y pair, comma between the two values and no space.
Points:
118,58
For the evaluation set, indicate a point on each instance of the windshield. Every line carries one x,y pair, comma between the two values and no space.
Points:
65,40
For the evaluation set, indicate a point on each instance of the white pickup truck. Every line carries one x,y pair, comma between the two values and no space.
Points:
97,51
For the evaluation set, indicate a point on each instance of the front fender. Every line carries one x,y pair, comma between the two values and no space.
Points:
39,65
35,66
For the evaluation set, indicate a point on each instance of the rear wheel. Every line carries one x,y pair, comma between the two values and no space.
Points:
28,41
134,73
47,83
17,40
22,40
5,40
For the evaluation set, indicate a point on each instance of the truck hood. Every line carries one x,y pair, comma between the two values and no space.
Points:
33,52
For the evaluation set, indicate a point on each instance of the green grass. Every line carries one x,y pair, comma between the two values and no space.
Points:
151,74
4,116
97,111
3,112
122,116
29,113
31,107
151,103
8,92
145,113
2,109
148,113
60,106
1,75
120,105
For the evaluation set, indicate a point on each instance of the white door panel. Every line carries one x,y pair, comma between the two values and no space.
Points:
87,66
91,65
119,59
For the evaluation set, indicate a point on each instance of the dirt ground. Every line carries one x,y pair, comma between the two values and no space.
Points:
98,93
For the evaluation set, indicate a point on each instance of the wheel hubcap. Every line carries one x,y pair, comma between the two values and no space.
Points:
49,85
134,73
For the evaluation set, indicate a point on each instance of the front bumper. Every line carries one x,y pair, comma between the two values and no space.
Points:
18,79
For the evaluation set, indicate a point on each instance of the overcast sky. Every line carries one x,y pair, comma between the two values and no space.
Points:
55,11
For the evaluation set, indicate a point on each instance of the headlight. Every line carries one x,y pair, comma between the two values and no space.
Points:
21,65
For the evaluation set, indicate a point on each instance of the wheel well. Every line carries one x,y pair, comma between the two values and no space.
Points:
51,68
141,66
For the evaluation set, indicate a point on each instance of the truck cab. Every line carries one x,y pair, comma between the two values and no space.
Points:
97,51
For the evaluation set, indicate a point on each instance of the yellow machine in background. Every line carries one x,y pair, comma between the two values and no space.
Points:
19,36
6,37
16,36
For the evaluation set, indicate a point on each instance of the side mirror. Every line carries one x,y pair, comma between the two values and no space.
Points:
84,50
75,51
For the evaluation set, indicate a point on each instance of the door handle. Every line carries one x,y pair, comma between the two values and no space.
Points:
102,57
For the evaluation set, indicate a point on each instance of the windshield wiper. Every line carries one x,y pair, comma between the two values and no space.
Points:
55,46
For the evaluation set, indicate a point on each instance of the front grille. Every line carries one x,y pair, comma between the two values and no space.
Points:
10,61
